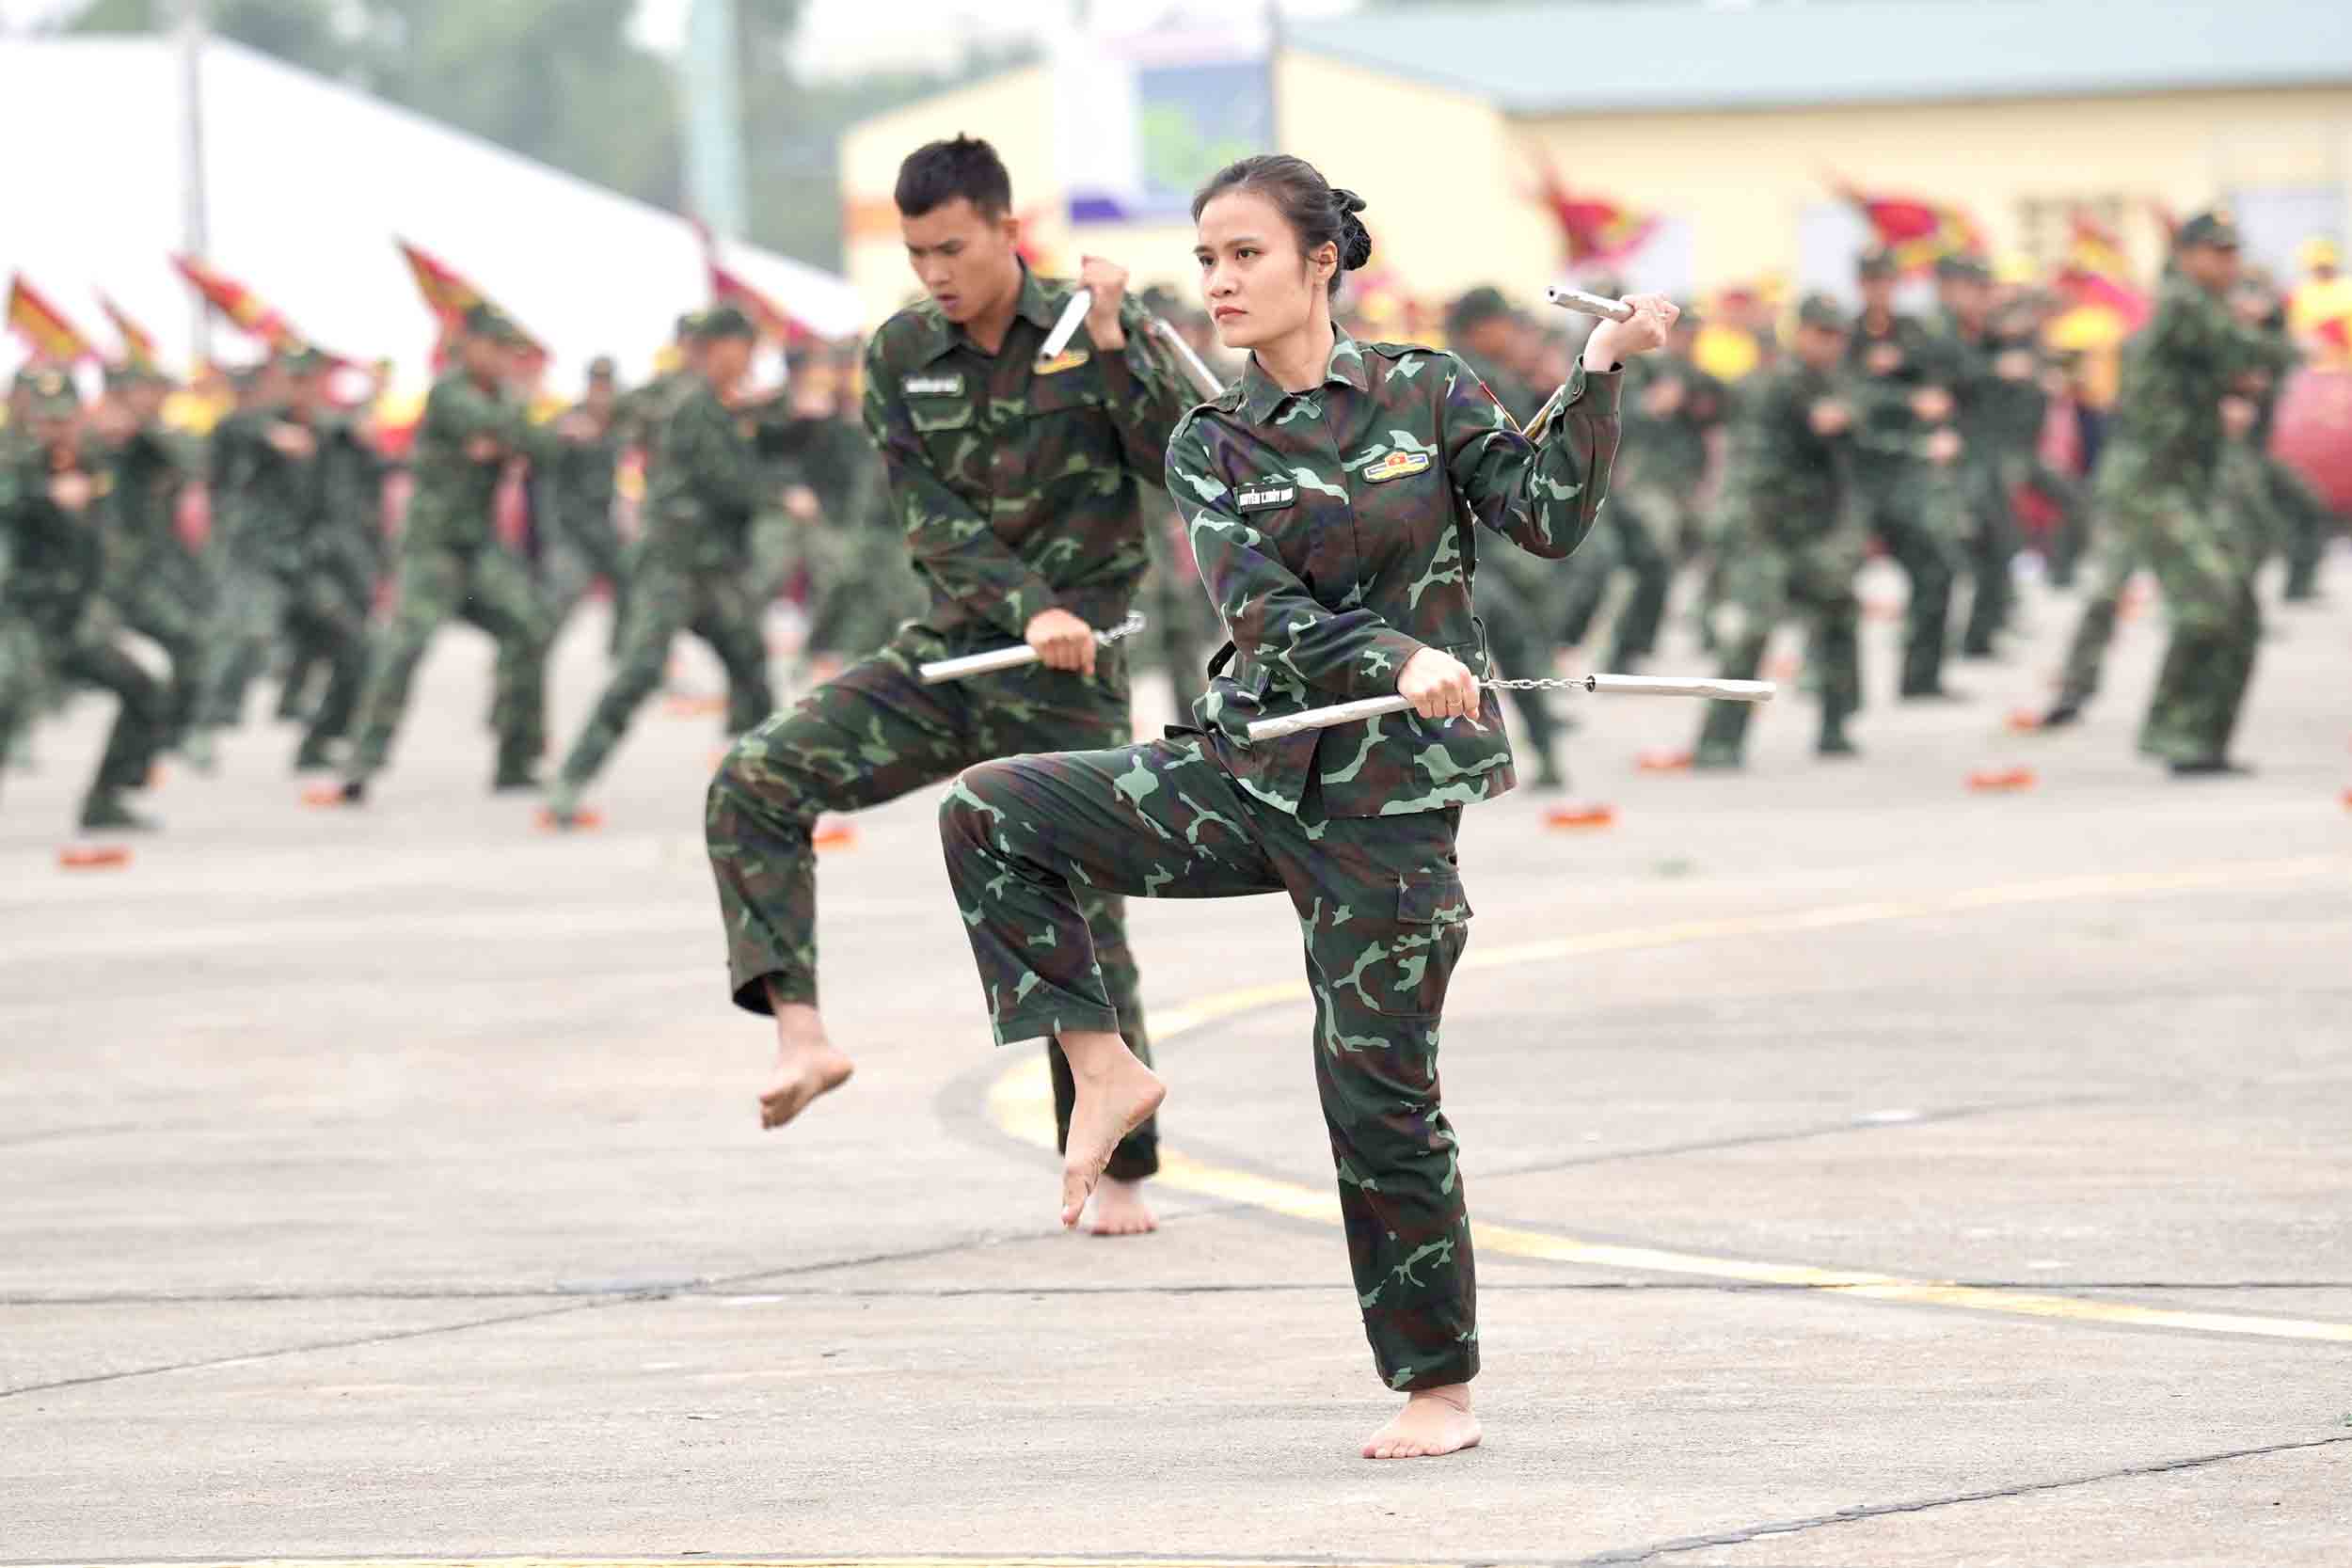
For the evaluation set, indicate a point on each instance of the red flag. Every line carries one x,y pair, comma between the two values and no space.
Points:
138,344
238,303
1597,232
43,326
728,287
1919,233
449,294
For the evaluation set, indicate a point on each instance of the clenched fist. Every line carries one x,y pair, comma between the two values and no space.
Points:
1439,686
1062,642
1107,281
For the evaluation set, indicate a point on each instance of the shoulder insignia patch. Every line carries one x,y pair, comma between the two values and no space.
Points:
1265,494
1397,464
1068,360
933,386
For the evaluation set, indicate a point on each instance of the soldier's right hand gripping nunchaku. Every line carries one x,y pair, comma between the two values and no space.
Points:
1625,686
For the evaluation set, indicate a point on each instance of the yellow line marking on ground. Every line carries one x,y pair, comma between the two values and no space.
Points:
1021,1103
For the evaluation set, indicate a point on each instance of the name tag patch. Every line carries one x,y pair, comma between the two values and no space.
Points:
1266,495
933,386
1068,360
1397,464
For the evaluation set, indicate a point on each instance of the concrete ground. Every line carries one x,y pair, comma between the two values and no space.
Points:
1870,1171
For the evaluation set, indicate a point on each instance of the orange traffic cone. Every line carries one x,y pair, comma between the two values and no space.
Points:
1581,816
1995,781
834,833
1663,762
93,857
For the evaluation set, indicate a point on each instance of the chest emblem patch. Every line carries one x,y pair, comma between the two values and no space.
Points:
1068,360
1265,494
1397,464
933,386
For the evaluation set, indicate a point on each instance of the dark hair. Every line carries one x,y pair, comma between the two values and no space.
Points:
938,172
1319,213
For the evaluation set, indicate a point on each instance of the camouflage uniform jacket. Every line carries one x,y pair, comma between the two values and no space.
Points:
1783,483
1017,484
51,559
455,494
146,469
1671,447
1886,431
708,481
1336,532
2167,427
582,478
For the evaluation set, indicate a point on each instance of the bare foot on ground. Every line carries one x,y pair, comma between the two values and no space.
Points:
1119,1210
807,1065
1116,1093
1434,1421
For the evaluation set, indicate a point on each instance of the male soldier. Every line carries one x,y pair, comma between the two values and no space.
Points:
861,586
1902,397
1986,420
345,552
2154,501
1016,481
575,493
707,484
451,562
1519,596
233,449
1682,406
1789,536
52,563
270,479
150,576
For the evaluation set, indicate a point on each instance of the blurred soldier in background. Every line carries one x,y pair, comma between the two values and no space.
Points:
1901,399
710,480
452,564
155,582
54,491
576,489
1790,536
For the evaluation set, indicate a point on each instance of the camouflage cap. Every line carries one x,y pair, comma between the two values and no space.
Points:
2212,228
1876,262
50,394
723,320
305,360
1822,312
1484,303
602,368
1963,269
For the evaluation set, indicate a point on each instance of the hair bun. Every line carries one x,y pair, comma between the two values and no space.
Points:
1355,239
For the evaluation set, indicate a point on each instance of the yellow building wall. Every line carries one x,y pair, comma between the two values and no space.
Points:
1743,179
1447,178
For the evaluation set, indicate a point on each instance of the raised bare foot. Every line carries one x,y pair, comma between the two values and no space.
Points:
807,1065
1117,1093
1119,1210
1434,1421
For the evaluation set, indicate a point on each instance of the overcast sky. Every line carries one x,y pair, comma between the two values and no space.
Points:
843,35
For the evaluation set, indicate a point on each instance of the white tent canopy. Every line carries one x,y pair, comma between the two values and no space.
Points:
307,182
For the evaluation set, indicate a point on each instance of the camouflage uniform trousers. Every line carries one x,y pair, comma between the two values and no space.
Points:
2070,536
2308,522
85,658
1381,911
2114,560
169,620
570,567
491,589
1991,542
1913,509
871,735
314,644
1515,626
2205,553
1759,585
1642,520
259,608
715,605
861,590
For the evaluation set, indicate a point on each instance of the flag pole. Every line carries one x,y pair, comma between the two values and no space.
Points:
195,238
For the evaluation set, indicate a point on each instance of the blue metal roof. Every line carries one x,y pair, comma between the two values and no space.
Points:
1714,55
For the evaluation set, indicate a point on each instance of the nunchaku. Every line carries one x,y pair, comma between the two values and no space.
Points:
1613,686
964,666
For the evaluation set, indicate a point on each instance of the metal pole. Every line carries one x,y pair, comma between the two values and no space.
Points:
714,118
194,237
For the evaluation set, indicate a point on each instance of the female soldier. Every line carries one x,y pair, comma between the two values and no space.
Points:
1334,494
